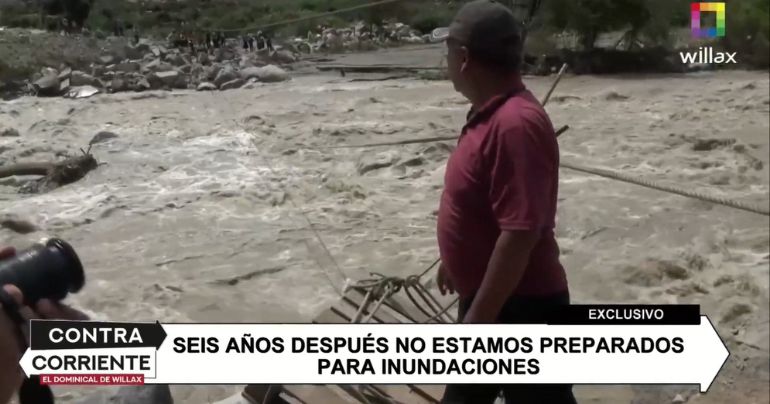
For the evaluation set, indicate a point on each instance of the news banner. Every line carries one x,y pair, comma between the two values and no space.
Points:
581,344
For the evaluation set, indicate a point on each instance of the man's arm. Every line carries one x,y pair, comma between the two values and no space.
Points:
504,272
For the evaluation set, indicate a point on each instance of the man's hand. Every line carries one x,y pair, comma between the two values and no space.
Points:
10,373
443,282
506,268
10,345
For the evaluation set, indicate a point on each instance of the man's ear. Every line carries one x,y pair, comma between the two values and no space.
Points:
464,59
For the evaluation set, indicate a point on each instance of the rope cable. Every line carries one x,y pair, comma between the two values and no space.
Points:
666,188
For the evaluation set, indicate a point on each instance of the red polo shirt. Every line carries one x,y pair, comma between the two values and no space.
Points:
503,175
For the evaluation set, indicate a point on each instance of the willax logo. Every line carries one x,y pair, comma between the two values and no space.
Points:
697,9
707,55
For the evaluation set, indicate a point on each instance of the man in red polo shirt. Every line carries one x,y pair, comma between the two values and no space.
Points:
497,213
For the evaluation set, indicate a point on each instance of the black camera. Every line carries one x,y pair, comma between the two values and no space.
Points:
48,270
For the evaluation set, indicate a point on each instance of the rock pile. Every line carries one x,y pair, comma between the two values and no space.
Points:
151,67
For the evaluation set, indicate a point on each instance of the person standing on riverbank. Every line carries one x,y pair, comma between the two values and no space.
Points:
498,209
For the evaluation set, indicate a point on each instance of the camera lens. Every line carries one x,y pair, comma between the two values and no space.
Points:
49,270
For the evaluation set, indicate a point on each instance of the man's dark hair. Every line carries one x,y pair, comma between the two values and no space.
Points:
491,33
504,56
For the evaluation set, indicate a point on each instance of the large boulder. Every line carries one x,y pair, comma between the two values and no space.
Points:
158,51
48,71
225,75
97,70
251,84
196,71
65,74
138,51
203,58
272,74
78,78
157,65
127,67
154,80
172,78
237,83
211,72
47,85
250,72
245,62
142,84
119,84
283,56
177,59
224,55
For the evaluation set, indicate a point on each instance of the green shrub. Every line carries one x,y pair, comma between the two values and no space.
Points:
309,5
652,19
748,31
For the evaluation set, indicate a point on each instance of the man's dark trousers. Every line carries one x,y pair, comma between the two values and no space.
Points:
517,310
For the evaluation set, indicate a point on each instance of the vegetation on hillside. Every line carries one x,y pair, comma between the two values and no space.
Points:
641,19
650,23
748,31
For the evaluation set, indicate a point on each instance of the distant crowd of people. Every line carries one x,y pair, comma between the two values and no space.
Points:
257,42
197,41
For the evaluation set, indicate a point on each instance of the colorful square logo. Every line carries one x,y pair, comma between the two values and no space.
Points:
711,32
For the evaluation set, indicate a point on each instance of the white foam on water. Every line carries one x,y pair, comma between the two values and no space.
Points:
578,178
197,168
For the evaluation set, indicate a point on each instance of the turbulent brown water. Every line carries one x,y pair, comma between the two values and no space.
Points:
192,217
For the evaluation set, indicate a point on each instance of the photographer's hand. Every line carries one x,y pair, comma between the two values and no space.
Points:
10,344
10,374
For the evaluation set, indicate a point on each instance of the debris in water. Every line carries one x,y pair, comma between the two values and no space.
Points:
614,96
53,175
17,225
711,144
9,132
102,136
247,276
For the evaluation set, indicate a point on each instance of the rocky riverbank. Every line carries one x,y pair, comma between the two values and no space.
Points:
147,66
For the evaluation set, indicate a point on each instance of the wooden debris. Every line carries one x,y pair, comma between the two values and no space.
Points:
54,175
555,83
395,310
